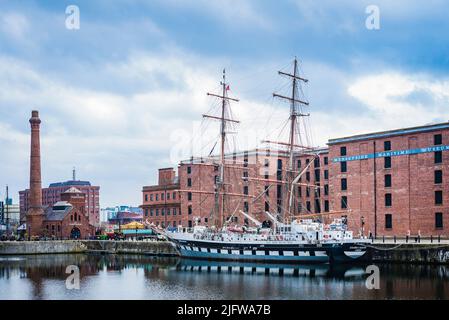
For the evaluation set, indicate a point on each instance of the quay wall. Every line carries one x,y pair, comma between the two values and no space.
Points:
159,248
422,253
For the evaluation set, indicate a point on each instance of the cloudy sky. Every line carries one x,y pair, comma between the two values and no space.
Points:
124,94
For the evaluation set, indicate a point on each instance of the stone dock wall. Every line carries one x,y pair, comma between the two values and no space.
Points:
422,253
159,248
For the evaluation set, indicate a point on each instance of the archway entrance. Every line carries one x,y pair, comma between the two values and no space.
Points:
75,233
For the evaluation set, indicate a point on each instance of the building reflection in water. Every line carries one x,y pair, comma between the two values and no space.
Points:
190,279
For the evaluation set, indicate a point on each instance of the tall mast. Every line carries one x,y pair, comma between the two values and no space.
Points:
220,192
294,114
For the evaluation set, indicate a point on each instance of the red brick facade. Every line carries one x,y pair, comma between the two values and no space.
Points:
399,198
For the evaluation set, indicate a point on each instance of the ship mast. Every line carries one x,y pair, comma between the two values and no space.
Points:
220,189
294,114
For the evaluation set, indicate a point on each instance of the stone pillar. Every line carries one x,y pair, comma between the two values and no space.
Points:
35,214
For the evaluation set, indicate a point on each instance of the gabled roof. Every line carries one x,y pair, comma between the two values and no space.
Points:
73,190
58,212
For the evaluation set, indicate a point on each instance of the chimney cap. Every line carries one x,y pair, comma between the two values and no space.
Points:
35,114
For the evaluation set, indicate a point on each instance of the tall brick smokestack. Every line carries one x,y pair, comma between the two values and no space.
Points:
35,213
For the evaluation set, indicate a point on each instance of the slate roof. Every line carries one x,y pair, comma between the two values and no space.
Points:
63,208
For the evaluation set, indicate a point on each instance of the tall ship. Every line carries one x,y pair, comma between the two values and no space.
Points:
289,236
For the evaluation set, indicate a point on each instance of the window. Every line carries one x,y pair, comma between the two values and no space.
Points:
387,180
146,198
267,191
438,176
308,206
326,205
189,182
279,191
267,206
266,163
438,156
245,207
326,161
387,162
206,220
388,200
438,197
437,139
344,184
162,212
266,175
439,220
168,211
151,197
168,196
388,221
162,196
326,174
189,196
151,212
245,174
344,202
189,170
387,145
146,212
157,197
342,151
216,179
299,191
308,176
299,164
157,212
317,175
189,209
307,191
245,190
174,196
174,211
316,162
326,189
317,206
343,167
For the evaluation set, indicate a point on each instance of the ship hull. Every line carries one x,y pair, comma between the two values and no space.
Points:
270,252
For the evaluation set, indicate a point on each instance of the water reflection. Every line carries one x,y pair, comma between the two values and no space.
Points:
140,277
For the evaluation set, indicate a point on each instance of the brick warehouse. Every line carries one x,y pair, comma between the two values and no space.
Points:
247,193
390,183
394,181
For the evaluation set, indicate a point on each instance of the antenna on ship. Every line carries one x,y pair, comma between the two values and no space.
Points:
295,112
220,192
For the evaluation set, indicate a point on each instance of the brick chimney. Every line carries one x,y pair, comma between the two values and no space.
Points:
35,214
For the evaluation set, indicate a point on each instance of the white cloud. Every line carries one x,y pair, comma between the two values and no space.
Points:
13,24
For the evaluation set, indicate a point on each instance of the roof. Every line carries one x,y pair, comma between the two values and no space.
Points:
390,133
58,212
70,183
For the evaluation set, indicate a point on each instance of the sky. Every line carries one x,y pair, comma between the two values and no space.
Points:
124,94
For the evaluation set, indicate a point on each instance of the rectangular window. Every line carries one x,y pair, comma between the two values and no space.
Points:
245,207
387,180
189,196
146,198
326,174
317,175
388,221
299,191
342,151
388,200
189,182
308,176
307,192
151,197
387,145
266,176
387,162
168,211
157,212
146,212
174,196
189,209
189,170
438,156
439,220
438,139
326,189
326,205
316,162
438,176
162,212
157,196
267,191
245,190
151,212
326,161
308,206
162,196
344,202
299,164
438,197
343,167
168,196
317,206
267,206
344,184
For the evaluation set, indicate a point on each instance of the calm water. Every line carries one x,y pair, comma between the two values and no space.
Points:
139,277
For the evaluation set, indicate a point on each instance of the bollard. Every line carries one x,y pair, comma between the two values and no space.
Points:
439,238
419,239
431,238
406,239
394,239
383,239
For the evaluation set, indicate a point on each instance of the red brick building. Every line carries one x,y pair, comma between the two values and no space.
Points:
52,195
394,182
161,203
67,218
253,186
